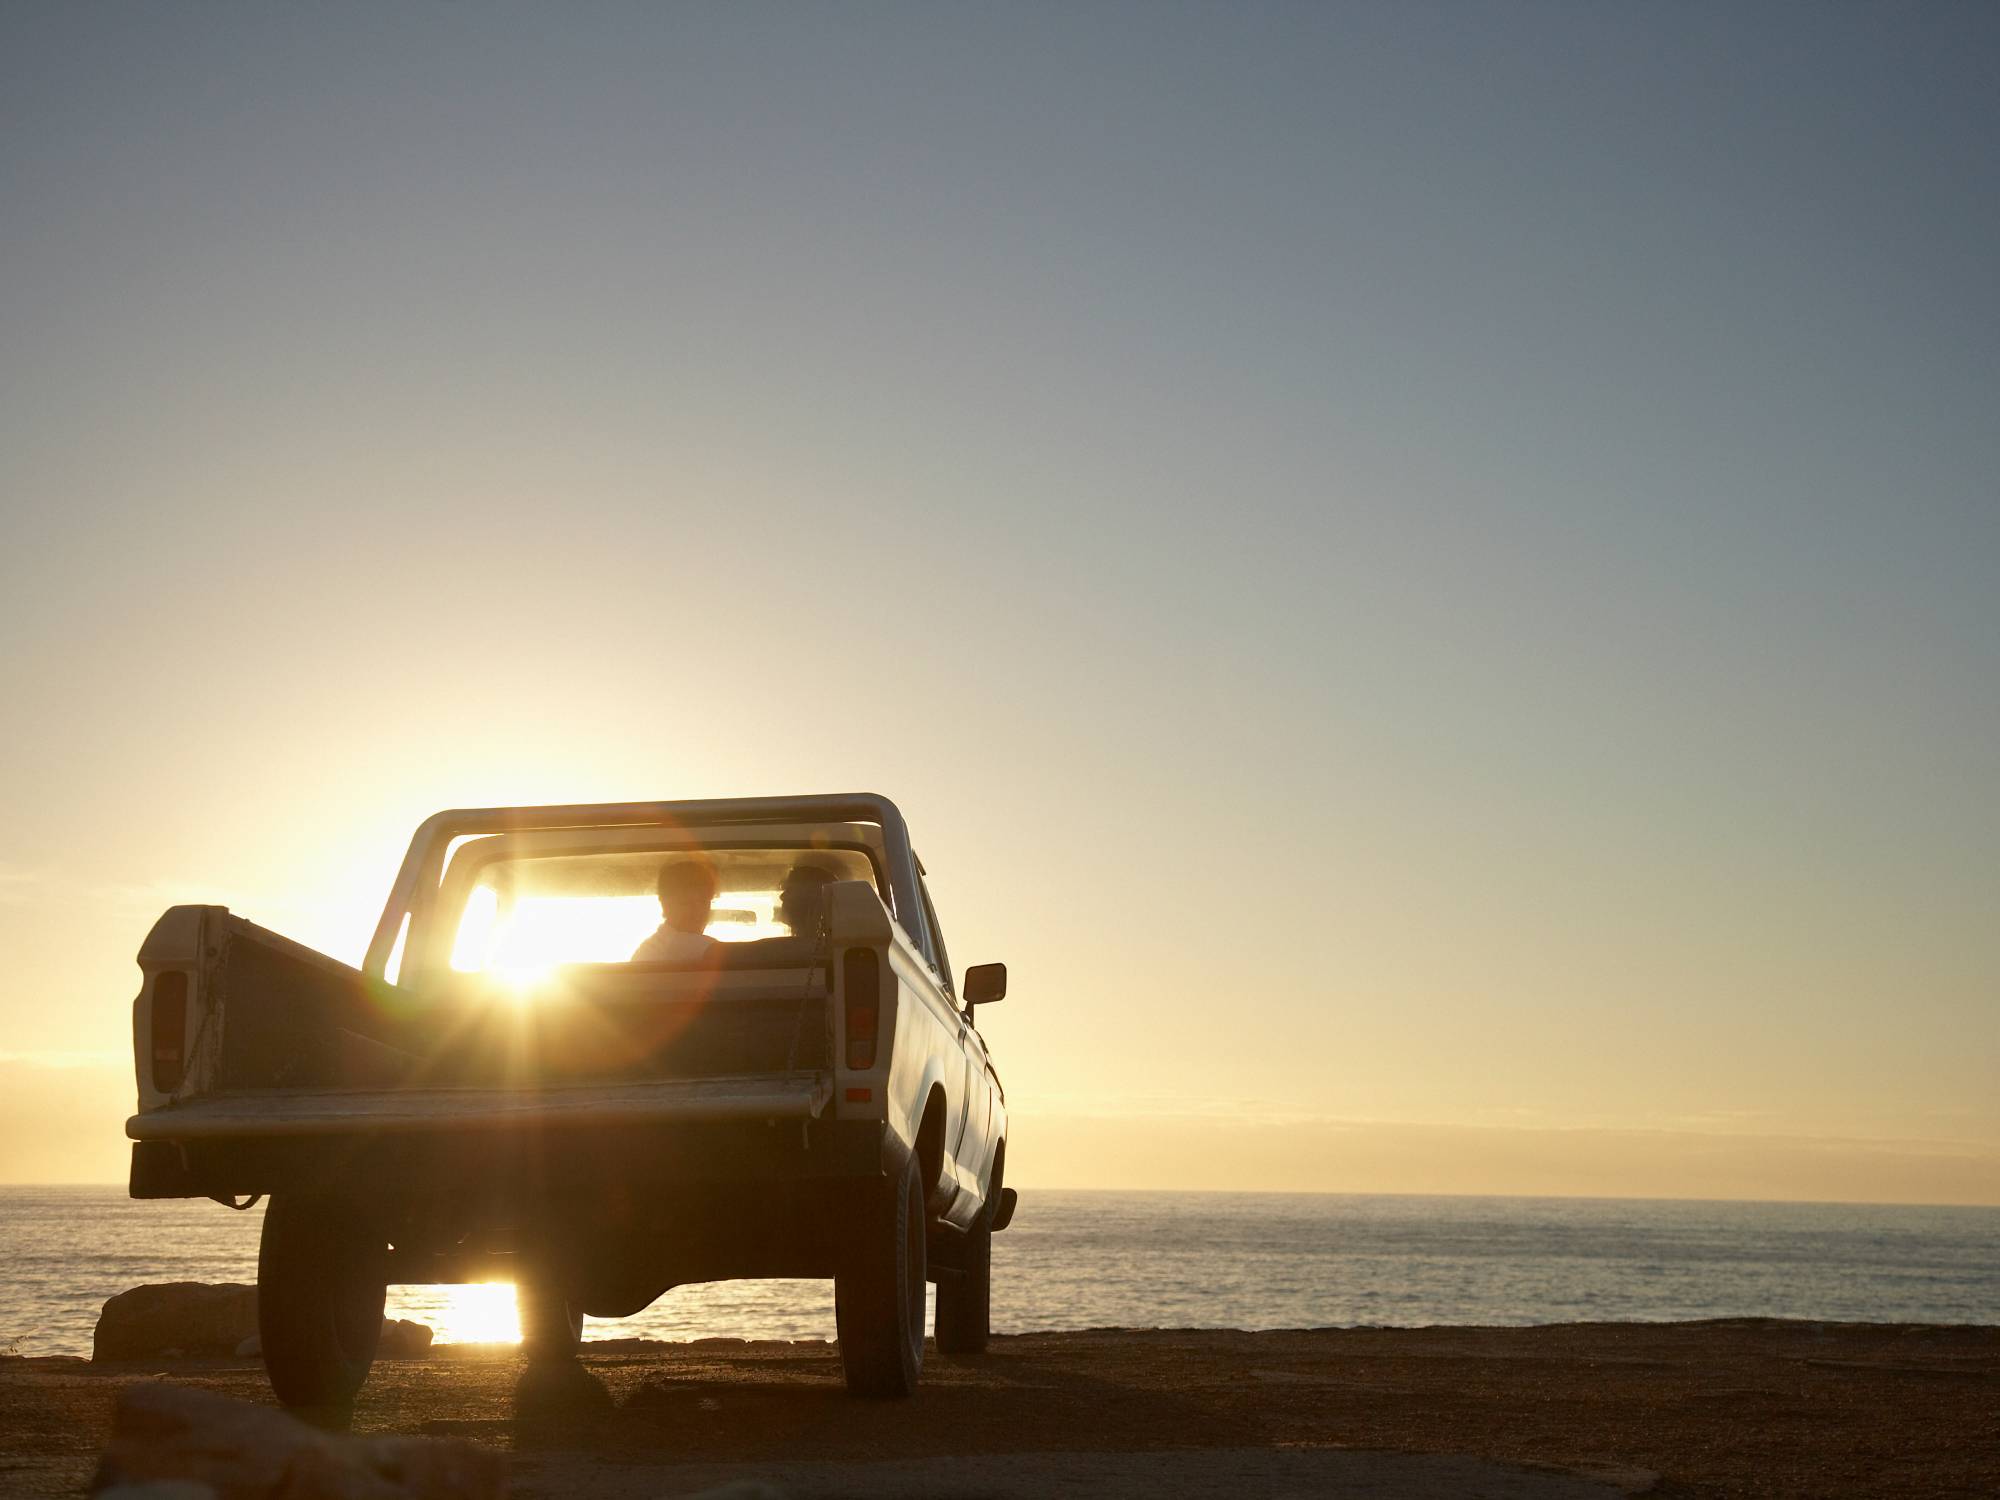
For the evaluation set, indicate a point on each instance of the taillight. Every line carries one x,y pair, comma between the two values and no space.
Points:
170,1024
861,979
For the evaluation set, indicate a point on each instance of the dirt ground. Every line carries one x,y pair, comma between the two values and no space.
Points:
1674,1410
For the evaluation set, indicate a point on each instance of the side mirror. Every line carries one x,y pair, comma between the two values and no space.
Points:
985,983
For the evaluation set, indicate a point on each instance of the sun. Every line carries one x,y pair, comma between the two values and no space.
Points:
479,1312
534,934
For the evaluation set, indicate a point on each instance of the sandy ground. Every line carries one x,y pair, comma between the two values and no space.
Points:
1691,1409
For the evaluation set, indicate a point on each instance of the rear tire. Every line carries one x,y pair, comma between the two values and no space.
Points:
965,1301
322,1274
551,1325
878,1299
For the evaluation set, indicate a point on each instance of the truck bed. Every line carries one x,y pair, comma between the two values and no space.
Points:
272,1018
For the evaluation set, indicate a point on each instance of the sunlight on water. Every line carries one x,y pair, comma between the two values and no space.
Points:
482,1312
487,1314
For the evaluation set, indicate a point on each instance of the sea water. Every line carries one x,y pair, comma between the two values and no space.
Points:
1172,1260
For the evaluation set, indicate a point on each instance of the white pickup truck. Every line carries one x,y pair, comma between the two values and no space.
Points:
534,1078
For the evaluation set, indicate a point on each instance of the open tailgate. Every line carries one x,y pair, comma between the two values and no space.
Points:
265,1114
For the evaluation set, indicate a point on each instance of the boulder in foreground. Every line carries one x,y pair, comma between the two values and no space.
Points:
165,1434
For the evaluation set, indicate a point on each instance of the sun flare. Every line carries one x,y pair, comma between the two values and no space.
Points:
481,1312
523,940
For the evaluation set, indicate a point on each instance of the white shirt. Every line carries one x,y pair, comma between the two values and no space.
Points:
672,946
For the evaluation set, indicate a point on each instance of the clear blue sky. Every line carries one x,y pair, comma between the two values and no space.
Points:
1464,540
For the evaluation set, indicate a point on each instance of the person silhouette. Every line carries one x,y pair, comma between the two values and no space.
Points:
802,899
687,891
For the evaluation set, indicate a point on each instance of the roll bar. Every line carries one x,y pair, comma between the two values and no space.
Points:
423,866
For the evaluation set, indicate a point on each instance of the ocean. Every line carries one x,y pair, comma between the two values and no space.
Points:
1173,1260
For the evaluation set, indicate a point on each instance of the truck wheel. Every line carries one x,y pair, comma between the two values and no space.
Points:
551,1326
322,1273
965,1301
878,1299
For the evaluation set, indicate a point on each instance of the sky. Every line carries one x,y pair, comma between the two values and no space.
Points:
1428,576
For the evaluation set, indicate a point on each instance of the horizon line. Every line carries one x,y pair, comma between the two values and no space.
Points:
1214,1192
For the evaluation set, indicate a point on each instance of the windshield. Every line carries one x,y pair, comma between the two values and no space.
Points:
539,911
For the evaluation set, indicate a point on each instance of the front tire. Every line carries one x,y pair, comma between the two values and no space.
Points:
322,1275
878,1299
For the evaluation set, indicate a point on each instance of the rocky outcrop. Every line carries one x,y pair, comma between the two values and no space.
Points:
402,1339
191,1318
203,1320
169,1440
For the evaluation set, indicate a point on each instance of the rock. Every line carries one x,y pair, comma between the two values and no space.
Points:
183,1317
165,1434
402,1339
196,1319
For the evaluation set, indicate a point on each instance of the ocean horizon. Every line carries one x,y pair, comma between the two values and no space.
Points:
1084,1258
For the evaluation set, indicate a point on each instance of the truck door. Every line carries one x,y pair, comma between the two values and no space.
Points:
965,1143
977,1144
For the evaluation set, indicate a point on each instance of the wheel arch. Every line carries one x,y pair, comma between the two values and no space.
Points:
929,1145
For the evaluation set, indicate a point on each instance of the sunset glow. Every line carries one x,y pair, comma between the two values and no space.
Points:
540,932
1432,589
482,1312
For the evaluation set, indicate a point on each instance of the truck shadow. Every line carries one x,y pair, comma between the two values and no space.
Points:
559,1393
792,1404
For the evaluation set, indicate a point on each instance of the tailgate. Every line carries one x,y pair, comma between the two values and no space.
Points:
263,1115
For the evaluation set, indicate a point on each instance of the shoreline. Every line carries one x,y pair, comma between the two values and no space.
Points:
631,1346
1719,1407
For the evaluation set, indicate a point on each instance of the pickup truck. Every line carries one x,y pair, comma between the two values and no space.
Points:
526,1081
